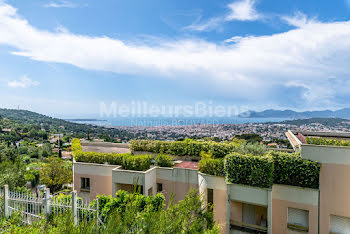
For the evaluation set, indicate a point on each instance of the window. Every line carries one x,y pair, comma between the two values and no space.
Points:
340,224
248,214
253,218
159,187
210,197
298,219
85,183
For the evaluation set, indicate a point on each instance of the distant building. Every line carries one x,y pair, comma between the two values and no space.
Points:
6,130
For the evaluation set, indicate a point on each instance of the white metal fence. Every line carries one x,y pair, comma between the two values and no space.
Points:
34,207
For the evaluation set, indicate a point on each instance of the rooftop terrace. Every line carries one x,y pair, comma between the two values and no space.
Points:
297,138
187,165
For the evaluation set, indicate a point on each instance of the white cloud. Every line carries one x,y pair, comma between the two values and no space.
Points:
23,82
235,39
243,10
254,66
211,24
299,19
60,4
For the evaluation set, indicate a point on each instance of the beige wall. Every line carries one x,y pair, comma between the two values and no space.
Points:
98,185
236,211
220,207
335,193
219,187
100,179
334,180
178,189
280,215
284,196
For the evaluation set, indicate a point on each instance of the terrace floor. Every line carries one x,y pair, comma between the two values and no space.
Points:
105,149
187,165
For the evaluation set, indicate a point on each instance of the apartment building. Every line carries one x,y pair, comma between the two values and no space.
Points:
242,208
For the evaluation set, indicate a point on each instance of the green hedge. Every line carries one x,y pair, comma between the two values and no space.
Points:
164,160
101,158
76,146
250,170
137,162
182,148
273,168
212,166
128,161
291,169
327,141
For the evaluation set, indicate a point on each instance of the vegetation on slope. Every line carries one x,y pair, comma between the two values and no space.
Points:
129,213
55,125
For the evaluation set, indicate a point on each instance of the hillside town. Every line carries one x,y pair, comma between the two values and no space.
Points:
268,131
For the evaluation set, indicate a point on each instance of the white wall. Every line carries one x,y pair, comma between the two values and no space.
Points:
326,154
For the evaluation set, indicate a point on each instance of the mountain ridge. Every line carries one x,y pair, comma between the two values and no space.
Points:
270,113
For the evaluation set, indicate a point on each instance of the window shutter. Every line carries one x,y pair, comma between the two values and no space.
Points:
340,224
298,217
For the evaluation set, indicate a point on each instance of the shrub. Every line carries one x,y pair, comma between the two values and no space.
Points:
327,141
100,158
254,149
127,213
164,160
212,166
291,169
12,174
275,167
55,173
249,170
137,162
32,176
186,147
128,161
76,145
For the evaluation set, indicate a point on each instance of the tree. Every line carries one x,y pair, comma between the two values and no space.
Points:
12,174
250,138
54,174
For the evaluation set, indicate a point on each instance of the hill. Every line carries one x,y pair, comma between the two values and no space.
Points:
329,122
342,113
55,125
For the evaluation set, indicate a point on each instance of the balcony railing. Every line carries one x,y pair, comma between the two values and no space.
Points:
246,227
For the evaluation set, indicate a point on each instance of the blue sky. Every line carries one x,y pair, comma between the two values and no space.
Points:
64,58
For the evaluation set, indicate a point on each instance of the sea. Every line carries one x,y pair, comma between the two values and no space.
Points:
171,121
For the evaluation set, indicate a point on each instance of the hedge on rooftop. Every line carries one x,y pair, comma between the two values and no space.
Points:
194,148
327,141
162,160
128,161
249,170
76,145
212,166
291,169
137,162
100,158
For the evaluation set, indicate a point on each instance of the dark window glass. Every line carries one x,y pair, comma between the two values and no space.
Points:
159,187
210,197
85,183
